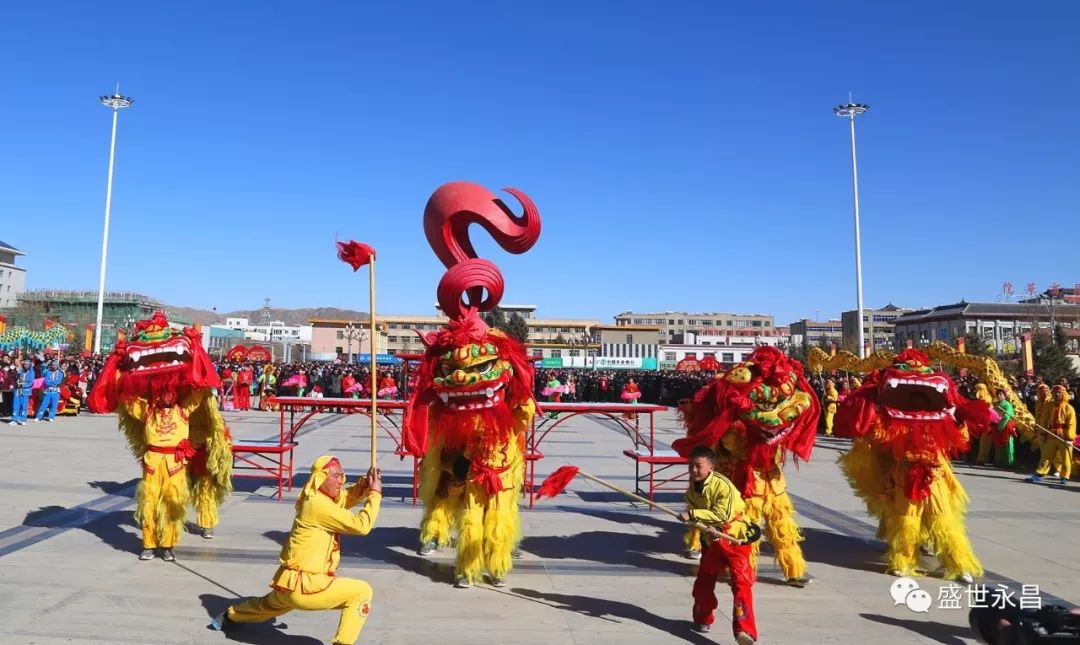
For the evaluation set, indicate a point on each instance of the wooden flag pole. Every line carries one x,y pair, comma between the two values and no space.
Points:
658,507
373,348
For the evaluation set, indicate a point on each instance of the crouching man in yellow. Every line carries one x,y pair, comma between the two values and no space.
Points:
305,580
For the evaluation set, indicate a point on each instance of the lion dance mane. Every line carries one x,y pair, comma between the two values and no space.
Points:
473,400
752,417
907,421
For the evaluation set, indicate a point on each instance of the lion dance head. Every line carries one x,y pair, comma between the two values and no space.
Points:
158,362
472,377
766,398
913,409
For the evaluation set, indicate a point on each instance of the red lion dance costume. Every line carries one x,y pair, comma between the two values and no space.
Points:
907,420
160,384
752,417
473,400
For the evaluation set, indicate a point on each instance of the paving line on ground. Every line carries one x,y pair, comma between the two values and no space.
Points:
855,528
64,519
18,538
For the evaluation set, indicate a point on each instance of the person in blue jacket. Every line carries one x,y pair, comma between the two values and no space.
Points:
53,378
24,382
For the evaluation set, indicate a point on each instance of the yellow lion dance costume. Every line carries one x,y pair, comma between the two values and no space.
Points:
473,401
907,420
161,384
752,417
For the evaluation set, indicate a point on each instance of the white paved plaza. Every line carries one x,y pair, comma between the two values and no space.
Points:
596,569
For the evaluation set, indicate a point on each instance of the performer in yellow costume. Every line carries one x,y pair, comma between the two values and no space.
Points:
473,465
161,385
832,397
907,421
473,401
1059,418
306,579
986,441
1043,405
753,417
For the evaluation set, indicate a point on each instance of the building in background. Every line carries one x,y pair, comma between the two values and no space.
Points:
808,333
77,310
553,338
999,324
12,278
727,349
877,327
626,346
218,339
679,322
527,312
273,331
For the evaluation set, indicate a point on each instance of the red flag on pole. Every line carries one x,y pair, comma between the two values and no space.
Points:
557,481
355,254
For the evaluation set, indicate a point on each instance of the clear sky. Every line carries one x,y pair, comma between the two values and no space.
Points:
683,155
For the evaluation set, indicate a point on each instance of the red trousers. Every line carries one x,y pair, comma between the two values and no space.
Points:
242,397
715,558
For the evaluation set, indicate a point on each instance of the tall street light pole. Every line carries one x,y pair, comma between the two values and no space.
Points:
117,103
850,111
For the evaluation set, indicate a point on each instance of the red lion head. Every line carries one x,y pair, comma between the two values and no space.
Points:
159,363
918,408
472,377
767,397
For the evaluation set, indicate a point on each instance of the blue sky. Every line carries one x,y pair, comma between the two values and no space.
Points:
683,155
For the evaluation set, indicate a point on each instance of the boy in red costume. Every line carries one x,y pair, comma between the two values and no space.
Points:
714,501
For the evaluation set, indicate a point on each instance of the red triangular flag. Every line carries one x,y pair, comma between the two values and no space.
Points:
355,254
557,481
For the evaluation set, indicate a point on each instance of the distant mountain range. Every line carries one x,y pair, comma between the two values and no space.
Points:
261,316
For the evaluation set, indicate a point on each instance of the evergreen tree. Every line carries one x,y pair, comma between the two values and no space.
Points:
1051,361
496,319
977,345
516,327
513,326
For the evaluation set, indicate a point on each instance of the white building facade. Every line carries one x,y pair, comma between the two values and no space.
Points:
727,349
274,331
12,278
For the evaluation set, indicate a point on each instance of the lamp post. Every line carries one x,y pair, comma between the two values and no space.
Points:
117,103
351,333
851,110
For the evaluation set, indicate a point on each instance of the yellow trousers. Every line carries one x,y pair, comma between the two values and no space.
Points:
937,520
351,596
830,414
692,539
206,503
780,529
161,500
1046,453
986,442
488,526
1061,457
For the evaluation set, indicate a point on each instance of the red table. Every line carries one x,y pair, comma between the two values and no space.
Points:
274,459
643,445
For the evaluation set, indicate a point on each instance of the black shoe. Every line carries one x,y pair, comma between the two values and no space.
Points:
701,628
798,582
168,555
208,533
